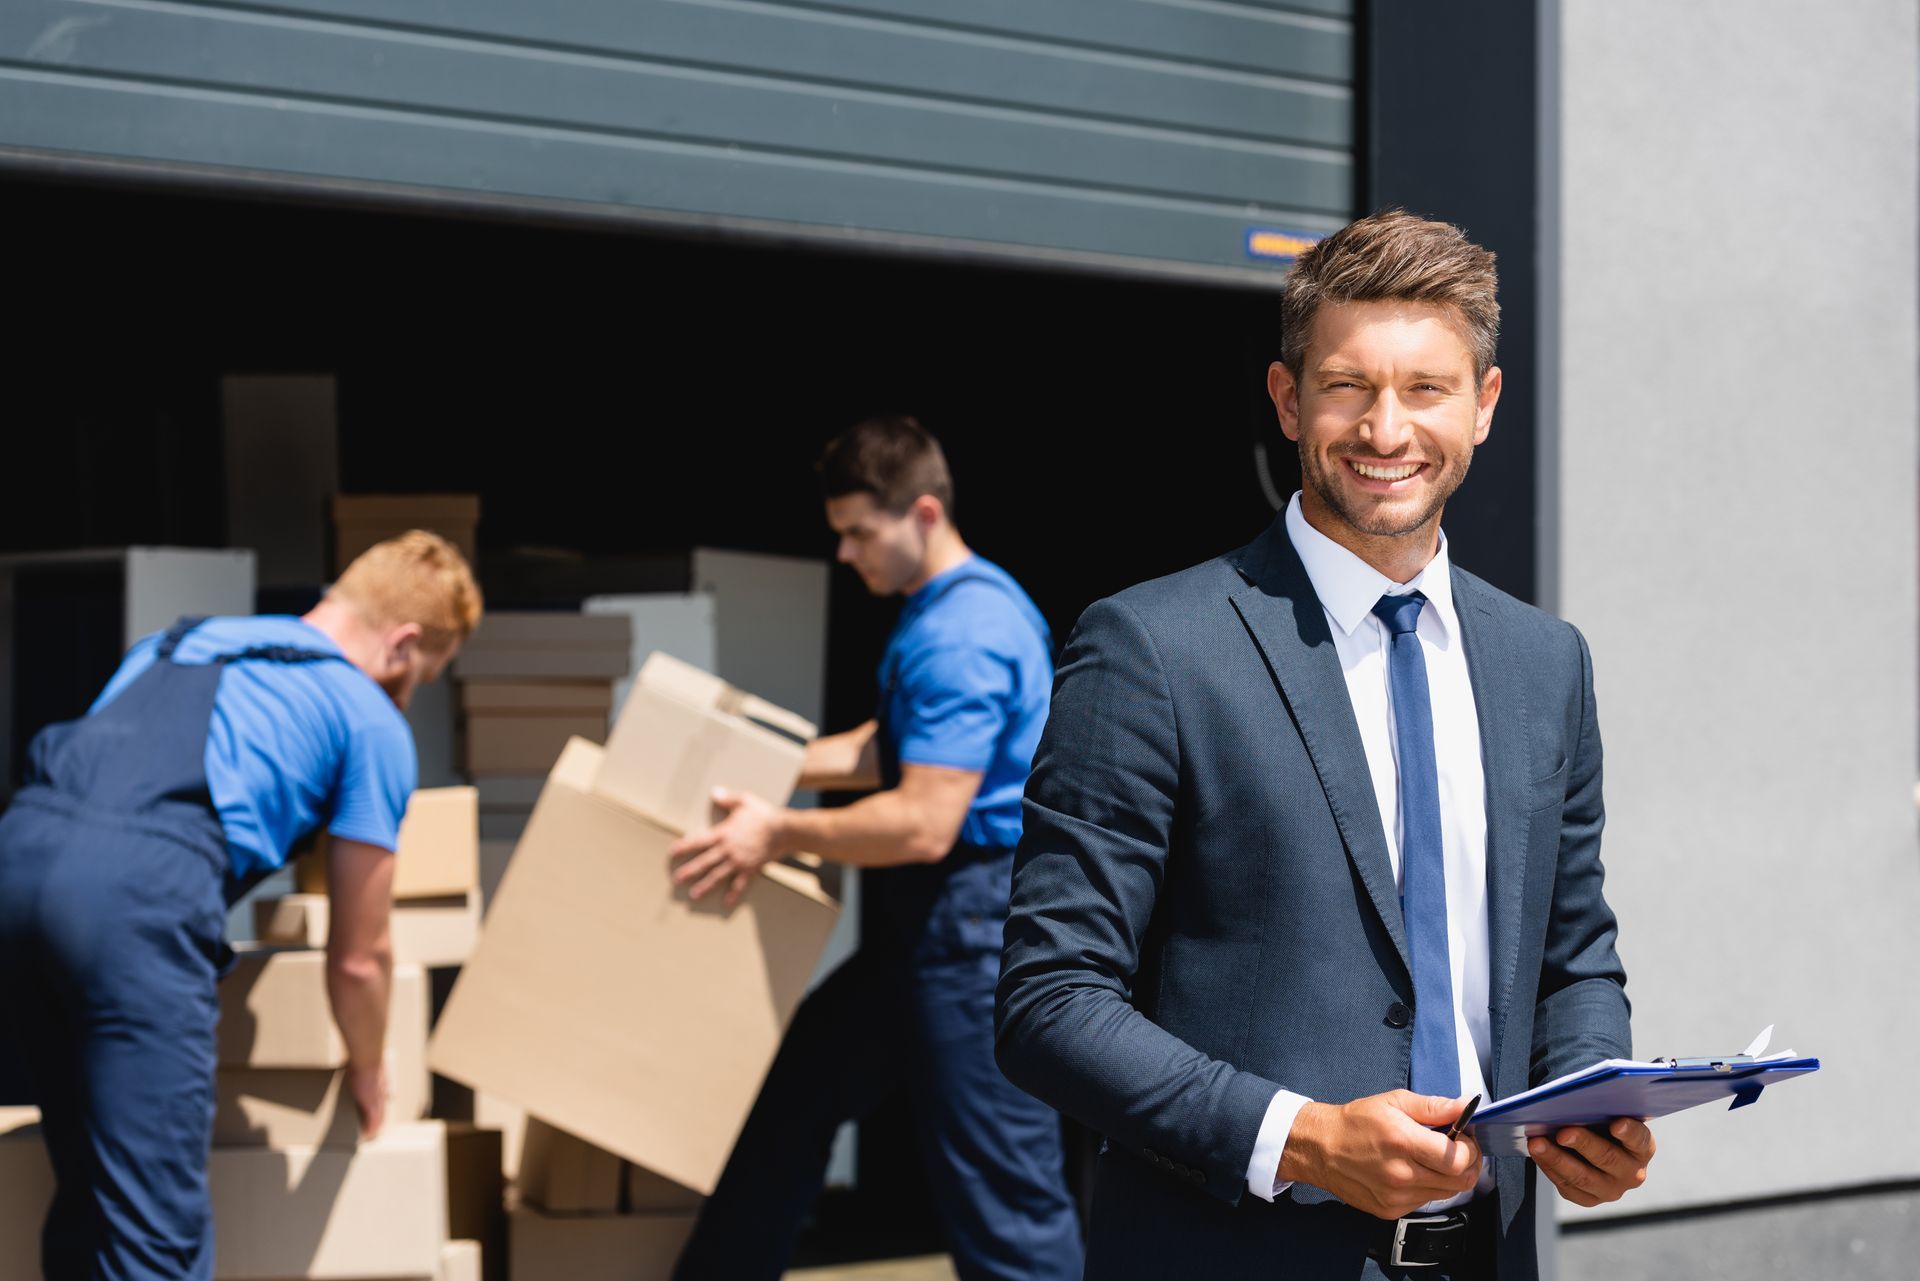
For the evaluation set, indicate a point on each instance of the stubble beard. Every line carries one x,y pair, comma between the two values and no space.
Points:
1373,519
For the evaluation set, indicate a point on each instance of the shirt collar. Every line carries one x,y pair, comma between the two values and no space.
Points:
1349,588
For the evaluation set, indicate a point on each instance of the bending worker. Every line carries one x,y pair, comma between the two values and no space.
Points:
964,687
215,748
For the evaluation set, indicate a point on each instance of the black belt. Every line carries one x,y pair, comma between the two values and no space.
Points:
1430,1240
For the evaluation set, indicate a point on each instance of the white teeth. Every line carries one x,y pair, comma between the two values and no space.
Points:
1386,473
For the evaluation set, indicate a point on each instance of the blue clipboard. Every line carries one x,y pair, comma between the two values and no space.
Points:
1617,1088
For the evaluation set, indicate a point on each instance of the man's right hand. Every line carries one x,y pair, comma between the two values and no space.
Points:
368,1085
1379,1154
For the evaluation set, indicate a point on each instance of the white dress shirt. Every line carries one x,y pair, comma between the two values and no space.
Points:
1348,589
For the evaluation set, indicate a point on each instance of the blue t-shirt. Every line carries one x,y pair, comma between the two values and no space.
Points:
291,744
965,684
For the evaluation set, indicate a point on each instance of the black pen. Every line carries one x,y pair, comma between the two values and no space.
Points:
1459,1127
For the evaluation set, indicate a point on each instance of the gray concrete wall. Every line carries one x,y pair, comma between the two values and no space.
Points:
1873,1236
1735,516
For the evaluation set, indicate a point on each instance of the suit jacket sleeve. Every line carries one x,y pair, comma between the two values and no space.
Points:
1581,1013
1099,821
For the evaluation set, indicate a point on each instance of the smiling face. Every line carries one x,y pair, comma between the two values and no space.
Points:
1386,413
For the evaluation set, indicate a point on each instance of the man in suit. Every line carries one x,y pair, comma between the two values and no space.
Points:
1312,841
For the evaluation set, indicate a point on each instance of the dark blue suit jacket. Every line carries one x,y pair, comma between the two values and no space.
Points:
1204,910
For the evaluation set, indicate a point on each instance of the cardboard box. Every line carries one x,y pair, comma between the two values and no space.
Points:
564,1174
274,1013
492,1112
605,1002
648,1193
567,1175
615,1247
428,932
438,851
548,629
26,1193
361,520
684,732
309,1108
536,698
460,1261
325,1214
520,743
557,664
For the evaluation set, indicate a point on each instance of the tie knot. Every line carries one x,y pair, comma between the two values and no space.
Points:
1401,614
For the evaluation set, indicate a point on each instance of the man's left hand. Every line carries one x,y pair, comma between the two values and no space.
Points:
1593,1169
732,851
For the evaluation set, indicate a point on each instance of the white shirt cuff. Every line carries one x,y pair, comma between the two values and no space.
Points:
1263,1171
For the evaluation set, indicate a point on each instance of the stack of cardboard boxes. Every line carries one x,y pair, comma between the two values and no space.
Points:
297,1192
618,1032
529,682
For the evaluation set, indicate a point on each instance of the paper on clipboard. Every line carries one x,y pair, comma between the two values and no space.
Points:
1632,1087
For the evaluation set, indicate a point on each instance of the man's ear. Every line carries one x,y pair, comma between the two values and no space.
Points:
403,642
1284,388
928,512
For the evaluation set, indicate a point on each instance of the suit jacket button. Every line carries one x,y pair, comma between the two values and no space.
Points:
1398,1015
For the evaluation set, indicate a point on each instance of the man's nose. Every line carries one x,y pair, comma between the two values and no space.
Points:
1388,426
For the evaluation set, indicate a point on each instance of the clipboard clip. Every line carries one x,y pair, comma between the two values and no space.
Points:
1722,1063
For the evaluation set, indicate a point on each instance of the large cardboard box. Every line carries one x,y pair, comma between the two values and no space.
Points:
521,743
684,732
26,1193
361,520
427,932
274,1013
603,1001
326,1214
608,1247
438,851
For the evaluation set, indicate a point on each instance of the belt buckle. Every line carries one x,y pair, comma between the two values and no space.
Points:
1394,1256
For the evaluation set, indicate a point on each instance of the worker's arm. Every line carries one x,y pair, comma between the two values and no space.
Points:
916,822
848,762
360,968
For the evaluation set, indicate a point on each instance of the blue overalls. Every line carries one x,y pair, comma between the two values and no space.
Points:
914,1008
114,885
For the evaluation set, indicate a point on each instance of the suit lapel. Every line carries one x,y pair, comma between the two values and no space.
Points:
1501,709
1287,622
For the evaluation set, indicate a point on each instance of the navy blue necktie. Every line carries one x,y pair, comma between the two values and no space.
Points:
1423,867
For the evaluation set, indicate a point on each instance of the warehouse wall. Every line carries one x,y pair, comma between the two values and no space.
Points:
1734,502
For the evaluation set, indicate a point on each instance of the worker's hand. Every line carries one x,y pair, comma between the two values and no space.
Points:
1380,1154
730,852
370,1091
1593,1169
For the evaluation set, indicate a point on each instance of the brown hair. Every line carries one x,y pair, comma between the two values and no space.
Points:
418,577
1394,256
891,457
